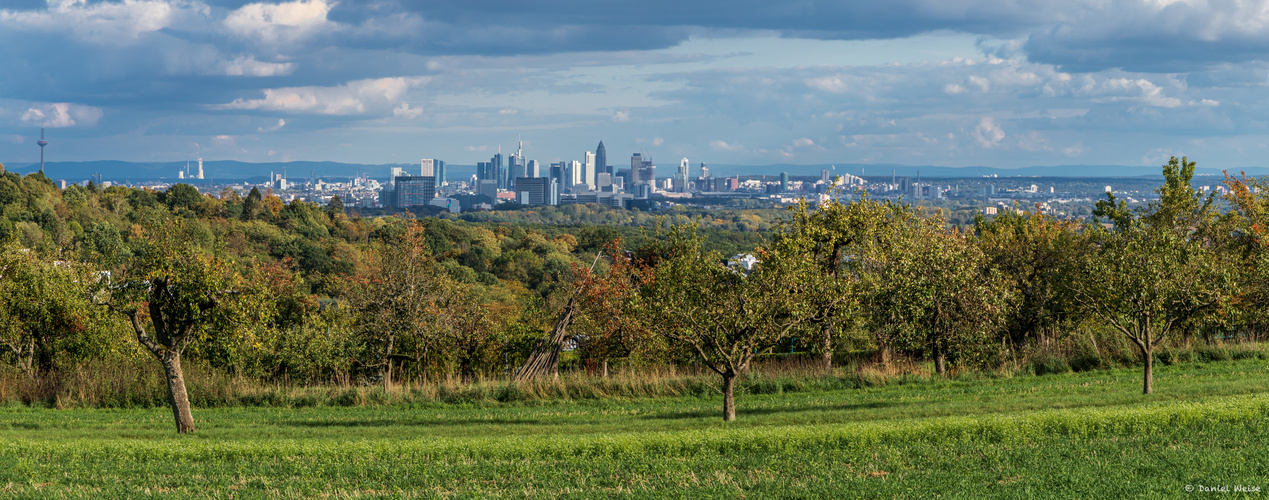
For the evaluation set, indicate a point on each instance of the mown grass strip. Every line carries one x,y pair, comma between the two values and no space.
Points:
1024,427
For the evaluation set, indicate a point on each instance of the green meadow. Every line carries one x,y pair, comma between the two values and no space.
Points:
1075,435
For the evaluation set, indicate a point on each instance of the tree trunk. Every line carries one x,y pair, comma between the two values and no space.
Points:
885,355
605,365
545,358
828,345
1147,386
387,376
729,396
177,397
940,361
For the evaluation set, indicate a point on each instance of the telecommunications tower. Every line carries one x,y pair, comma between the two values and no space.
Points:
42,143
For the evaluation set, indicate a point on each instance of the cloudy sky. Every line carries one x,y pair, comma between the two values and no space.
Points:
1001,83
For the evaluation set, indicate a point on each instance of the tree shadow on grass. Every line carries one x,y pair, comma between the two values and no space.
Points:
714,413
385,422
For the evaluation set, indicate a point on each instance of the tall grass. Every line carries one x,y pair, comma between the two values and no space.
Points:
140,384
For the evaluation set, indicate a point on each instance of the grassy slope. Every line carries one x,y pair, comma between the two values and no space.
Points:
1081,435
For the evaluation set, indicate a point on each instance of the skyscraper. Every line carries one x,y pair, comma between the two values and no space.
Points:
636,163
500,171
574,172
648,172
684,167
436,168
588,170
601,160
557,173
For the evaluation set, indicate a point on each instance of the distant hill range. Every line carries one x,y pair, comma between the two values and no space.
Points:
236,171
217,170
879,170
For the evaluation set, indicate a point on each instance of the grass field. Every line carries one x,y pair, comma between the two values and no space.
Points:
1080,435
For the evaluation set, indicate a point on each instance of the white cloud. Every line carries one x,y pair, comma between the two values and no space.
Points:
717,145
621,116
58,115
657,141
286,21
803,142
281,123
988,133
980,83
954,89
508,111
1120,89
832,84
352,98
405,111
249,66
1034,142
110,23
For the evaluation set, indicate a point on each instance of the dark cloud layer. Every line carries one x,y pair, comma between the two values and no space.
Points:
306,72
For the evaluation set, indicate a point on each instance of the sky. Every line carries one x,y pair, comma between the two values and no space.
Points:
997,83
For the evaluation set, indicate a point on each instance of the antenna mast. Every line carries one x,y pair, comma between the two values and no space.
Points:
42,143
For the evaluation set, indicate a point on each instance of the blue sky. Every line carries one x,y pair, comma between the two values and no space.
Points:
921,82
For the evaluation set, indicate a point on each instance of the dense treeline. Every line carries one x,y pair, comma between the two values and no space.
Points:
300,294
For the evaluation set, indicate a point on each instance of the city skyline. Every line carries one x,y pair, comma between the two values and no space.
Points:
993,83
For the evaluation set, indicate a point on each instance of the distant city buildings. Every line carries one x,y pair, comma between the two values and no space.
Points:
414,190
537,191
601,160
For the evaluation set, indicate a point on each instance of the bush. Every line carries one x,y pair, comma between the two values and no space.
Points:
1046,364
1087,361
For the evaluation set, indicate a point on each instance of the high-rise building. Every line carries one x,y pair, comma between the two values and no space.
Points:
558,175
648,172
636,163
532,170
704,171
488,191
431,167
588,170
200,168
601,160
516,168
537,191
500,172
575,175
824,175
415,191
684,168
784,181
